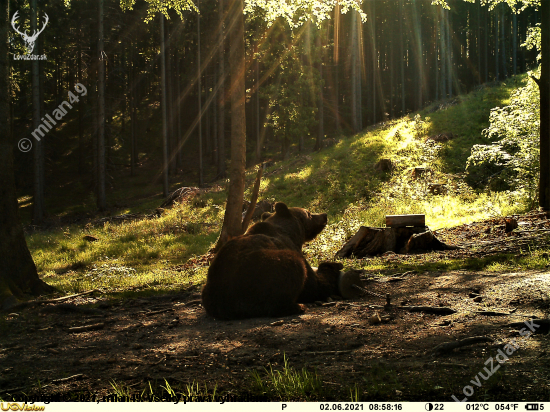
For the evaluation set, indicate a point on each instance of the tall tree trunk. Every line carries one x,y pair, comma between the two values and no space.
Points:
485,45
179,152
199,86
18,273
170,103
354,37
443,54
232,223
356,110
38,189
497,46
515,43
321,102
132,93
221,91
402,57
336,72
503,42
80,109
544,84
450,63
164,111
101,200
258,121
215,119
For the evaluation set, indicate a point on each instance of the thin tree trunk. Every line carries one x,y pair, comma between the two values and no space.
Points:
258,137
132,93
486,45
503,42
336,72
80,109
38,191
402,57
221,91
101,201
179,153
497,45
515,43
321,103
164,112
232,223
374,61
354,50
18,273
449,54
199,85
170,103
544,84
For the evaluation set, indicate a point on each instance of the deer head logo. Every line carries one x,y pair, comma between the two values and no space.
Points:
29,40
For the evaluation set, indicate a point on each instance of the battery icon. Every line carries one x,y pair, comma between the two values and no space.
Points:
532,406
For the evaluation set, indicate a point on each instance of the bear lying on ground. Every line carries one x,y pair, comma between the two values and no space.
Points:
263,272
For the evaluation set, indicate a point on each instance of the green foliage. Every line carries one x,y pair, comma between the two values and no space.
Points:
298,12
292,94
289,384
533,39
161,6
512,161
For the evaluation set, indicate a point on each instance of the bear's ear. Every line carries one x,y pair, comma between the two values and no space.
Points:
266,215
282,210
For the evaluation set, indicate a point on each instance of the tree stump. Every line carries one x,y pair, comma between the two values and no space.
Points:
371,241
384,165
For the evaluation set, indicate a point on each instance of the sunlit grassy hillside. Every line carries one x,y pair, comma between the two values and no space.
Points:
154,254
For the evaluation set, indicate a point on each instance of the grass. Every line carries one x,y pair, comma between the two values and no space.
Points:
288,384
150,255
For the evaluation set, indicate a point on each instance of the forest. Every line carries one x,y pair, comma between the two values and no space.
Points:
274,200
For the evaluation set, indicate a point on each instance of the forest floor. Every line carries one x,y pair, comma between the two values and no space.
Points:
161,346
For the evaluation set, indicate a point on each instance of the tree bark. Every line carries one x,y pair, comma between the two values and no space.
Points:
544,85
199,91
221,91
232,223
38,188
164,111
18,274
321,102
101,201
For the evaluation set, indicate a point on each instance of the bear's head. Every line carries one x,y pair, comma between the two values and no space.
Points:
303,224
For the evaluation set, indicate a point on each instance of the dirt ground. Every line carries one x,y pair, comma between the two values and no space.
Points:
148,340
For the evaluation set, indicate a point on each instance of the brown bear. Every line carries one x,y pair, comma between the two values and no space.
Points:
263,272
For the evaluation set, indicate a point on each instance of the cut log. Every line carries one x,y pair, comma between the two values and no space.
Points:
405,220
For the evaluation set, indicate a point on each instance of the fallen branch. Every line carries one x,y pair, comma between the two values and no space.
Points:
491,313
450,346
77,376
156,312
429,309
328,352
86,328
41,302
253,200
